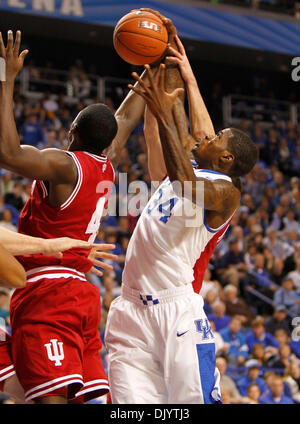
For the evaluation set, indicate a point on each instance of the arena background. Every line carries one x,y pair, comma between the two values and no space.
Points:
242,53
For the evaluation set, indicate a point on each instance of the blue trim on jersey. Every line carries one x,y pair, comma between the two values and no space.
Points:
211,230
207,226
194,163
207,365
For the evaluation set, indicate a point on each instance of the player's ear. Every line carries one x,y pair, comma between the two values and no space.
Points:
226,159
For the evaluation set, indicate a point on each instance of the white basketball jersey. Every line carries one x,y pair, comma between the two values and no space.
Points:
168,239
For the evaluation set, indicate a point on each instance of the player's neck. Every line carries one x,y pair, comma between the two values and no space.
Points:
209,166
74,148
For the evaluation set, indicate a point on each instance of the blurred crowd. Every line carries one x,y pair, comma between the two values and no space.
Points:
291,7
251,288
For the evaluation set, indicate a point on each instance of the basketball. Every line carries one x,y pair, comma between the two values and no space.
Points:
140,38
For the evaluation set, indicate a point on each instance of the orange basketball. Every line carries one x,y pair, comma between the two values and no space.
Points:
140,38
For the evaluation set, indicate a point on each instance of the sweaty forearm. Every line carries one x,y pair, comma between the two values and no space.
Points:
174,80
176,159
201,124
156,164
128,116
20,244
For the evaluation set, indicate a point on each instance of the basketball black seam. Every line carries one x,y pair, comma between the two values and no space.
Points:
144,35
137,54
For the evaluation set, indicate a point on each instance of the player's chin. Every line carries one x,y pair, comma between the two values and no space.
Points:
196,150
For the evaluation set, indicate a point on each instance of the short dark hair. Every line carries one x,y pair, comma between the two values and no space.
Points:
245,153
96,126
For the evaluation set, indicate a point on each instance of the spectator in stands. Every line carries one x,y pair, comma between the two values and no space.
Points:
6,220
277,218
235,342
261,274
253,395
250,255
15,198
279,320
287,296
49,103
219,316
283,358
6,182
295,340
259,335
296,161
110,285
226,397
295,275
259,356
226,382
248,201
276,396
292,378
219,342
105,305
290,223
31,132
297,10
276,270
252,377
210,285
15,213
278,248
51,140
210,301
237,306
232,264
82,86
281,336
4,304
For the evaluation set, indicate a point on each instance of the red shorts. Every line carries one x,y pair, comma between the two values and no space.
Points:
6,366
55,336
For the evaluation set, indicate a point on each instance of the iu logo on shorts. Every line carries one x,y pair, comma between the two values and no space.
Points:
55,351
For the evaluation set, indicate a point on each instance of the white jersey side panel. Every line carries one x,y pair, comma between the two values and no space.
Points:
166,242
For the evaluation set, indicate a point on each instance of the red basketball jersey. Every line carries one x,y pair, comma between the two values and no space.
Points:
78,217
201,264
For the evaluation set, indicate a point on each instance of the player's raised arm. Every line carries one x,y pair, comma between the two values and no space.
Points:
12,274
201,123
127,116
219,194
49,164
156,163
174,80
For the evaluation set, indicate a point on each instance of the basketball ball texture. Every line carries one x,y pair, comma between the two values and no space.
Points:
140,38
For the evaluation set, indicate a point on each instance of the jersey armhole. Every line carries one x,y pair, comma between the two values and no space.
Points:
78,184
215,230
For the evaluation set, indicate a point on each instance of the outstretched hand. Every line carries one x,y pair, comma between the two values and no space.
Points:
99,252
14,61
166,21
172,31
156,96
181,59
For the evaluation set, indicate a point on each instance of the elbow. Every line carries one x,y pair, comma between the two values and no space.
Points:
18,279
6,158
199,134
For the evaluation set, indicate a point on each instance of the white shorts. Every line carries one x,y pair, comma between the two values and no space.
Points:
161,349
